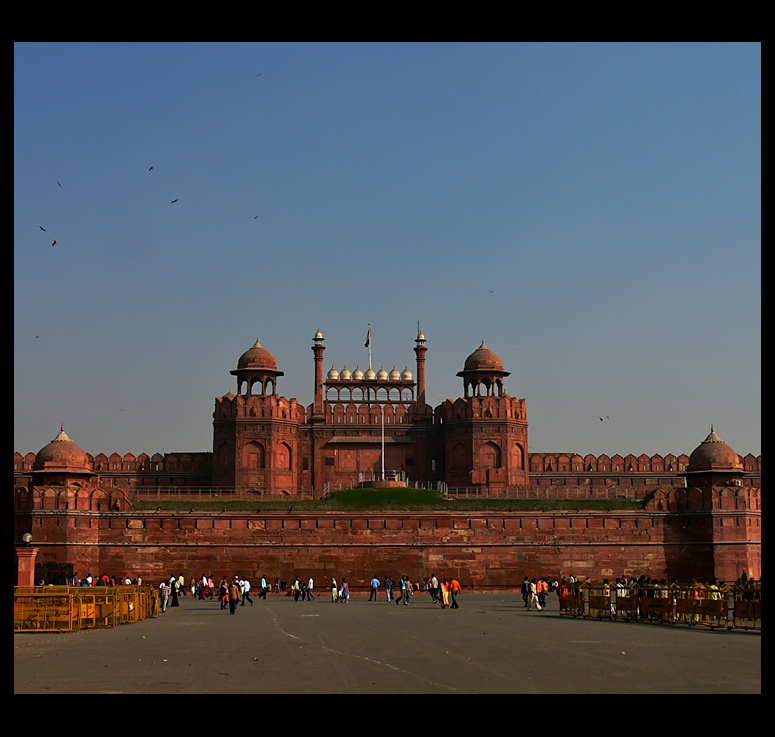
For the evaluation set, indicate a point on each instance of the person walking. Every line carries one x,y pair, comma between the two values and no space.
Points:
245,584
310,594
526,590
402,587
345,591
223,592
542,589
234,595
374,588
174,591
434,589
334,591
454,589
389,588
407,590
164,594
534,596
444,594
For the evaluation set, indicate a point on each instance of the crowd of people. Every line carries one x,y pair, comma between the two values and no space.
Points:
442,591
534,591
103,580
445,592
236,591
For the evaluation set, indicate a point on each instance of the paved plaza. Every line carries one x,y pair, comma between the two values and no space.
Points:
491,644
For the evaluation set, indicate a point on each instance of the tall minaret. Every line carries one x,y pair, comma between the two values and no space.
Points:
420,349
318,348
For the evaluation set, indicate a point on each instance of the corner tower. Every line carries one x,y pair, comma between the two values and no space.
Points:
722,515
255,432
485,429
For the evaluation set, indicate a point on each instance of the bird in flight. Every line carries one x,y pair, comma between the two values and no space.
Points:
42,228
173,202
60,186
54,243
150,169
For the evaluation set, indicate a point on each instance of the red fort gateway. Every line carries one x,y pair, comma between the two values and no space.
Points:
701,511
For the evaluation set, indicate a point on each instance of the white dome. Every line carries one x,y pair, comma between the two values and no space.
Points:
395,375
333,373
345,375
370,375
357,374
406,374
382,375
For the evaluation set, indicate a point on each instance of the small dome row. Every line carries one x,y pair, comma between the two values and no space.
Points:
369,375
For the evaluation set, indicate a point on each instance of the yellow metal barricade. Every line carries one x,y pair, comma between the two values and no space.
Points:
573,600
34,612
696,604
626,606
69,608
747,606
600,603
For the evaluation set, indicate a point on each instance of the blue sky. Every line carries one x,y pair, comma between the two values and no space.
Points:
592,212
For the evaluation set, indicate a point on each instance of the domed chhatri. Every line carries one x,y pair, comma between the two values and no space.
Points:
256,367
483,373
62,455
483,359
257,357
713,454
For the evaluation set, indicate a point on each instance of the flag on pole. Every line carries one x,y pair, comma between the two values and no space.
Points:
368,337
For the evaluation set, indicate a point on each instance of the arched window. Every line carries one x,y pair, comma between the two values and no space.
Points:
284,458
253,455
490,456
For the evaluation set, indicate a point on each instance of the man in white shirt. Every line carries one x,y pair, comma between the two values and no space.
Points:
244,585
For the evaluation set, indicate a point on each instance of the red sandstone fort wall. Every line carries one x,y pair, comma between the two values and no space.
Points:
487,550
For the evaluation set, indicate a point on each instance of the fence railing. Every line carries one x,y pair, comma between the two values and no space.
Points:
71,608
730,607
552,492
250,493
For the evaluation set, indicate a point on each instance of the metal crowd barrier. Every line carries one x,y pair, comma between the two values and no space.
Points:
730,607
71,608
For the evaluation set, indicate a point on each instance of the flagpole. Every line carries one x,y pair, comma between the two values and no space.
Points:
368,343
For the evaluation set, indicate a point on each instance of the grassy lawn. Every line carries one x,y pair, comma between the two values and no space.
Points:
391,500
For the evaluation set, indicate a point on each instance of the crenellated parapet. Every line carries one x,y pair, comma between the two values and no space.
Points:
503,407
245,406
72,498
604,463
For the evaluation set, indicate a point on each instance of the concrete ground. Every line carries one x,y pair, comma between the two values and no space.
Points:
491,644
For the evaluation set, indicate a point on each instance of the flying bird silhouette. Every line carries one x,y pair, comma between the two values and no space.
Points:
173,202
60,186
151,168
54,243
42,228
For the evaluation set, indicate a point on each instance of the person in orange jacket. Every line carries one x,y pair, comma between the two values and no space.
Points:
455,589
